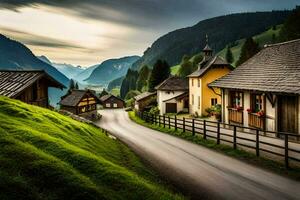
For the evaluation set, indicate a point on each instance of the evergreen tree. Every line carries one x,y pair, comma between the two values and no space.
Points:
129,83
143,78
186,67
249,49
76,86
229,56
72,85
161,71
291,28
103,93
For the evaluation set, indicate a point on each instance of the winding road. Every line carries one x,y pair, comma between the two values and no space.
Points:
201,172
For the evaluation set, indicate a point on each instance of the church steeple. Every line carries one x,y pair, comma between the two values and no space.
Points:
207,50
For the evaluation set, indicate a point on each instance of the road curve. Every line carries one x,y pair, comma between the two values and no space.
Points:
203,173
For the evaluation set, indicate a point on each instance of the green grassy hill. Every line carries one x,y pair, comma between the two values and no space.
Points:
45,155
262,39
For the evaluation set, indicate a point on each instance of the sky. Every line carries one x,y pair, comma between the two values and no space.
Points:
90,31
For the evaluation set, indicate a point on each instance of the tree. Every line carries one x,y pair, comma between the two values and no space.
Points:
131,94
161,71
76,86
103,93
72,85
229,56
197,59
186,67
129,82
291,28
249,49
143,77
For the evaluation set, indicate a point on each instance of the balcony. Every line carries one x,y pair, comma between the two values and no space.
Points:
235,115
256,121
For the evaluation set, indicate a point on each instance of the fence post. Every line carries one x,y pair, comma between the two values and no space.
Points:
218,133
158,120
183,125
169,122
175,123
234,137
204,129
257,142
286,150
193,127
164,121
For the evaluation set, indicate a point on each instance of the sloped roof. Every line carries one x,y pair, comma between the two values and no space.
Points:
12,83
174,83
178,97
75,97
276,68
144,95
108,96
213,61
207,48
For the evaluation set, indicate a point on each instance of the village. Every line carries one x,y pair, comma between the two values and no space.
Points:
220,122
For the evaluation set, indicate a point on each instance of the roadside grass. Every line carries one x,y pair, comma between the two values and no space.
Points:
242,155
46,155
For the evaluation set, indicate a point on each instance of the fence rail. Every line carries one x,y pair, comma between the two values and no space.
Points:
277,144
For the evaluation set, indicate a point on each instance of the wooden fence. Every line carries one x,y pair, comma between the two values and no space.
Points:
281,145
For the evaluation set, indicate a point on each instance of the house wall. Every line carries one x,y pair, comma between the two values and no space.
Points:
207,93
204,92
111,101
165,95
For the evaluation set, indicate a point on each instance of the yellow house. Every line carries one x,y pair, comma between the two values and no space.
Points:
201,96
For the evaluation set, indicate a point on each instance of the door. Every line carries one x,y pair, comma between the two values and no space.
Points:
288,114
171,108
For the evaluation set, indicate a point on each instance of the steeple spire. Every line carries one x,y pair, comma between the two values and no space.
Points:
207,50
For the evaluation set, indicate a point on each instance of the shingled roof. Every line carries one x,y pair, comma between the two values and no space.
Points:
144,95
12,83
213,61
276,68
75,97
108,96
174,83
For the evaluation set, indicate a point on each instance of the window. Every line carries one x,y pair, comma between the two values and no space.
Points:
115,105
236,99
198,82
214,101
192,99
107,105
257,102
199,101
192,82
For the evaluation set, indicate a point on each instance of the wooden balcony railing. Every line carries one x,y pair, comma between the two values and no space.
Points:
235,115
256,121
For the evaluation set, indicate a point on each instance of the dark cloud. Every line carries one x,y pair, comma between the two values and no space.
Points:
37,40
163,14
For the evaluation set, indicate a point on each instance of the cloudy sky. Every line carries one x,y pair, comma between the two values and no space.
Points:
90,31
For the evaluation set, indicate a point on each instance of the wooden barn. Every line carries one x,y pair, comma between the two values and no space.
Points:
111,101
145,100
28,86
81,102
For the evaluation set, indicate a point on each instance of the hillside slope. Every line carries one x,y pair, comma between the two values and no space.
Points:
45,155
111,69
221,31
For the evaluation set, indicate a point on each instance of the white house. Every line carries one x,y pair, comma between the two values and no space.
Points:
264,92
173,96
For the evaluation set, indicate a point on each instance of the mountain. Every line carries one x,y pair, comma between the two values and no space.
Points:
16,56
221,31
80,77
115,83
68,70
46,155
111,69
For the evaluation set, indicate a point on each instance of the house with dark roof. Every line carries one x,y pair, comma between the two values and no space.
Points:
111,101
145,100
172,95
28,86
210,68
264,91
81,102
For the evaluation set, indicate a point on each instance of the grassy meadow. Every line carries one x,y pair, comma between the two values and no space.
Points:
45,155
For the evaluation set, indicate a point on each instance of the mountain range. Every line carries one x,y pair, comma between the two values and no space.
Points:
220,30
68,70
111,69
